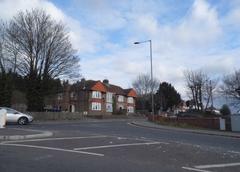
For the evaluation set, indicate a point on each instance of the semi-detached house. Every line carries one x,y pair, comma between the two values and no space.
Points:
97,98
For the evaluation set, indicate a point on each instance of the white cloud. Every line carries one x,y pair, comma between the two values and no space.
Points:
185,45
195,41
200,26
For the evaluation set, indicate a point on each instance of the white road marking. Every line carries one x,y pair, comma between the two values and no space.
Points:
194,169
234,152
56,149
119,145
217,165
60,138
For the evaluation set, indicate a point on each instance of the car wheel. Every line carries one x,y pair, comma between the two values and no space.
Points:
22,121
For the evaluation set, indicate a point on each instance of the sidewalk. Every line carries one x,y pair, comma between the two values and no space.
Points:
7,134
148,124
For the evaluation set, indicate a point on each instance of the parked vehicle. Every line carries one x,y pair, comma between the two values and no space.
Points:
14,116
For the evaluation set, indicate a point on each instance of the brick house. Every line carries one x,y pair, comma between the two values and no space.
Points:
96,97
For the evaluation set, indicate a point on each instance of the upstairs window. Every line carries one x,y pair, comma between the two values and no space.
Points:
109,97
120,98
130,100
96,94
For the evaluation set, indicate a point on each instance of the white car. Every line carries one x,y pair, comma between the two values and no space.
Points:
14,116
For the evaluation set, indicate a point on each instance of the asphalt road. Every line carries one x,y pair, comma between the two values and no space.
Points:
115,145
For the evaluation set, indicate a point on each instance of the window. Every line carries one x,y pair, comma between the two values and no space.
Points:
11,111
96,94
109,107
130,100
120,98
96,106
109,97
130,109
72,95
60,96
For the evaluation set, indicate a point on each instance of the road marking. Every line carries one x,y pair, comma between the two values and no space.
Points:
194,169
56,149
218,165
234,152
119,145
60,138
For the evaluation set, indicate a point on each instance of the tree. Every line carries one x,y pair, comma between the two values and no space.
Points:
225,111
42,51
209,88
167,97
231,87
195,83
6,84
144,86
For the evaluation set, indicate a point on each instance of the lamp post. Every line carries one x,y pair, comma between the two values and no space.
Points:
150,43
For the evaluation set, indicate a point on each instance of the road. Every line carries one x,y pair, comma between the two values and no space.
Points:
115,145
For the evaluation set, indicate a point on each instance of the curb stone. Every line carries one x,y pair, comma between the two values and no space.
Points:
185,130
29,136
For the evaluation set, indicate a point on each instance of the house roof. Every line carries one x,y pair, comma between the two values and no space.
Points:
103,87
130,92
115,89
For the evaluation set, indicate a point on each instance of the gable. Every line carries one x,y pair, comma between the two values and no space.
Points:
98,87
132,93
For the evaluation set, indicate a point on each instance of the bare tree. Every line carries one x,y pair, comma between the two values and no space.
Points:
43,45
143,84
3,60
231,87
209,89
195,82
41,50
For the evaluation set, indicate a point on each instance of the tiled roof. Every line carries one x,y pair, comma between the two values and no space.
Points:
89,84
115,89
130,92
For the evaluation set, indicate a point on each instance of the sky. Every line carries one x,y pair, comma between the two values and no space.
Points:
186,35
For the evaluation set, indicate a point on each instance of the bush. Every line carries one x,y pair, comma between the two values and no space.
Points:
225,110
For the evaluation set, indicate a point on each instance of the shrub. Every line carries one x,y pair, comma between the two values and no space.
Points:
225,110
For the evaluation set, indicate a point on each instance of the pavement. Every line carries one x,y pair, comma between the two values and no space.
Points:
9,133
148,124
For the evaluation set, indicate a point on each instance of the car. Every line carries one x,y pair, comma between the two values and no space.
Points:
14,116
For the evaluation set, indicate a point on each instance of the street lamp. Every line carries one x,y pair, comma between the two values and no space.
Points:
150,43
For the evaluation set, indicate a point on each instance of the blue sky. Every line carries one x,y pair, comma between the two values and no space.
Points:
186,34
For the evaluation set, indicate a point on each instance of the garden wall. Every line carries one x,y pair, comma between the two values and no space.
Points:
210,123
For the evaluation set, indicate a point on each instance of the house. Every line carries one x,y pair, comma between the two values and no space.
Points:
96,97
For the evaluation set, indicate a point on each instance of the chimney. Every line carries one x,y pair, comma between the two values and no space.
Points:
106,82
83,80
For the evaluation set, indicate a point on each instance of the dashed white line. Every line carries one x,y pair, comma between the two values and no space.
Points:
194,169
57,138
56,149
218,165
119,145
234,152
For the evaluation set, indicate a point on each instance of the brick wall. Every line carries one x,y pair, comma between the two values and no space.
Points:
210,123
